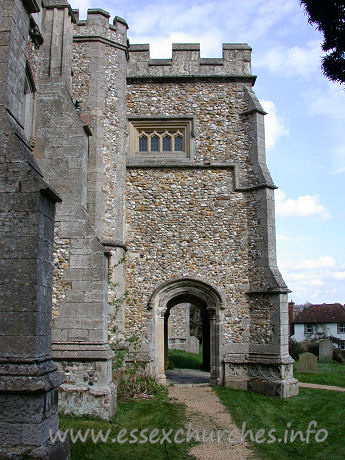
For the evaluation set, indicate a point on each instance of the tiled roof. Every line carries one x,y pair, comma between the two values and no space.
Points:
324,313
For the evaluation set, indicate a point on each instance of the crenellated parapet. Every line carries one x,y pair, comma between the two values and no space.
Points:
186,62
98,28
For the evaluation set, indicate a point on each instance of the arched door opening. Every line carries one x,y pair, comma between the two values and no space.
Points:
209,301
187,335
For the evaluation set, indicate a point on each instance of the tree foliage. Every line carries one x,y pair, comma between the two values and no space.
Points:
329,17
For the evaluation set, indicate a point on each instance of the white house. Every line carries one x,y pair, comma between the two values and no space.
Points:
318,321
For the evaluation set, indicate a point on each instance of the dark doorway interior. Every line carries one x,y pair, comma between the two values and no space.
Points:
199,326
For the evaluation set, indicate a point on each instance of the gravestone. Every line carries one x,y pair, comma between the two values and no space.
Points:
307,363
326,350
193,345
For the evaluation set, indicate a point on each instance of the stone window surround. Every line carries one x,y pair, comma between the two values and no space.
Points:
183,124
29,104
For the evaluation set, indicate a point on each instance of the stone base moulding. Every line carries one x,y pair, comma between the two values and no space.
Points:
269,379
81,400
28,392
88,389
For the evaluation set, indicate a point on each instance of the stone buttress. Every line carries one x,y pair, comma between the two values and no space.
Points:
68,149
100,54
29,379
200,215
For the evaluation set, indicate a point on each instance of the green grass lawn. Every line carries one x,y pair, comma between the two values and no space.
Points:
158,413
183,360
327,408
328,374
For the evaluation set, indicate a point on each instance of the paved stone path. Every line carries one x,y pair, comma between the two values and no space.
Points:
187,376
320,387
205,412
191,377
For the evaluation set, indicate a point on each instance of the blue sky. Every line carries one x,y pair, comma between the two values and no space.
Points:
305,127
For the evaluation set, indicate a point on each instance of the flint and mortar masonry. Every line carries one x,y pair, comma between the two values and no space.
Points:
209,217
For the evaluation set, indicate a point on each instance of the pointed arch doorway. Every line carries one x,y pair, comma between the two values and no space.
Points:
210,302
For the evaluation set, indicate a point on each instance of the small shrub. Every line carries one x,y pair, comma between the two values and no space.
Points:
130,375
339,355
313,347
134,385
129,372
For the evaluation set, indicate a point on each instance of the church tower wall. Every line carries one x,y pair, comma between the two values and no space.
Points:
99,85
207,214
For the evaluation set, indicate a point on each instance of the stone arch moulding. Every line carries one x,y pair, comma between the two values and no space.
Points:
183,289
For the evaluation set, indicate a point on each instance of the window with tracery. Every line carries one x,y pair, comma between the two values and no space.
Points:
160,138
160,141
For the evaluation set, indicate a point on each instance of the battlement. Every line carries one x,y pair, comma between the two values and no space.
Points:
97,24
186,61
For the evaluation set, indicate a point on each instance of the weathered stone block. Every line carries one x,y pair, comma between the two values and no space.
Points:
326,350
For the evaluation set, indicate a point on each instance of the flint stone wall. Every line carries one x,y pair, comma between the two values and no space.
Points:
178,325
99,65
99,68
179,337
191,222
